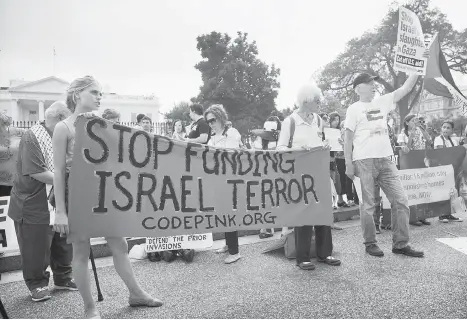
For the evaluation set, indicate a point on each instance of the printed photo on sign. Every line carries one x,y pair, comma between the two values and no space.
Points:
192,241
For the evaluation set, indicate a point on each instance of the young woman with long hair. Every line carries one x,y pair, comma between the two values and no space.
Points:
84,96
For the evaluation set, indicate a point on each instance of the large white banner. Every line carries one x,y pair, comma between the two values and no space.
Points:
7,228
410,44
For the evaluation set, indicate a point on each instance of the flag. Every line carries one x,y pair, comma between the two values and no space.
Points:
438,79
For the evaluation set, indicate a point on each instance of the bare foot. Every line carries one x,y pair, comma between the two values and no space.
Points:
144,301
92,314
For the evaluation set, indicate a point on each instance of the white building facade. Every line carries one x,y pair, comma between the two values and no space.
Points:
440,107
27,101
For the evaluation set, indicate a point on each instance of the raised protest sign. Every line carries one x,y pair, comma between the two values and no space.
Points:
410,45
126,182
190,241
333,135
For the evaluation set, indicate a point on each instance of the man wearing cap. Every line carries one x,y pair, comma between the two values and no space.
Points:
370,160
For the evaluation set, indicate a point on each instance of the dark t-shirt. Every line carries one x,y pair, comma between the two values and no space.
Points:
198,128
28,199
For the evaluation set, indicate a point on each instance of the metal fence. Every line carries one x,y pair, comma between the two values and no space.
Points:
159,128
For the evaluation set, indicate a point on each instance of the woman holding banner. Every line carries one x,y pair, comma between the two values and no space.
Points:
444,140
223,136
307,129
414,137
83,96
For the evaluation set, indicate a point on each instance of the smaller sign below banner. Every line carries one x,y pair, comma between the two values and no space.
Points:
425,185
191,241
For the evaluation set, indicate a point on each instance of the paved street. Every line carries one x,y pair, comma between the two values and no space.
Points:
270,286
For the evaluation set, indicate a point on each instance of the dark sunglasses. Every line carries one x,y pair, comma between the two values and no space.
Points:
211,121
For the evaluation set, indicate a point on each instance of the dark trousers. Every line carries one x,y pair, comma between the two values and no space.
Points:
231,240
323,242
39,246
346,182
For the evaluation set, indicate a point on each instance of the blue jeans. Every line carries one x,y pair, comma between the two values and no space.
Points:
382,171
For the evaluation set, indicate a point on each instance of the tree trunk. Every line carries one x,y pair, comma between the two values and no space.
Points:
403,105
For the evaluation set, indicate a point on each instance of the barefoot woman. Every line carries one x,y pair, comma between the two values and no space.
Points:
83,96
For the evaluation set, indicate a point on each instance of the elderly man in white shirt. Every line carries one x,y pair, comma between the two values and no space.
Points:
368,154
308,134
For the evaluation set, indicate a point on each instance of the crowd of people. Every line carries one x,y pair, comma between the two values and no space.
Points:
367,137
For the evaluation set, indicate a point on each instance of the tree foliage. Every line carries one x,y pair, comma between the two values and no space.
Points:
235,77
374,51
180,111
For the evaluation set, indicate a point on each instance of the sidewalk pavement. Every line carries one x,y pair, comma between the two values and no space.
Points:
271,286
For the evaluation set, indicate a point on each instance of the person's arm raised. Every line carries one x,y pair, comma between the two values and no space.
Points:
406,88
59,144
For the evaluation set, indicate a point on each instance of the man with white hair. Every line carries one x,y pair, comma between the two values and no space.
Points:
29,209
370,160
307,128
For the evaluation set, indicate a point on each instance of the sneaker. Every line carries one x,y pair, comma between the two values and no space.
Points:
40,294
452,218
443,219
224,249
408,251
374,250
70,285
425,222
378,230
232,258
416,223
264,235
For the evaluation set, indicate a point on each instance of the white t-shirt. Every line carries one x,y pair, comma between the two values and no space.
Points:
305,135
368,121
446,143
231,139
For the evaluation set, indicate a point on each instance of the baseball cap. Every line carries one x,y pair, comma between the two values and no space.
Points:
363,78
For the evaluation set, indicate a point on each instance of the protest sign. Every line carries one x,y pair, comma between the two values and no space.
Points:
333,136
9,144
8,241
126,182
191,241
431,158
425,185
410,44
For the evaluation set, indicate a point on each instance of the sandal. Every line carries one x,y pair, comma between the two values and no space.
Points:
330,261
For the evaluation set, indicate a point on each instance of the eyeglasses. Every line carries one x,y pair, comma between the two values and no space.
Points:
211,121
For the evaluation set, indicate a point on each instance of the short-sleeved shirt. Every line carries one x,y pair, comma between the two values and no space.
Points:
305,134
198,128
418,140
445,142
231,138
28,198
368,121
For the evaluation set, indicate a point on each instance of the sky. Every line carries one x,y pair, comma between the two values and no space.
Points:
149,47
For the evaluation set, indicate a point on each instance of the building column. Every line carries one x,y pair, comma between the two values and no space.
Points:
15,110
41,110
